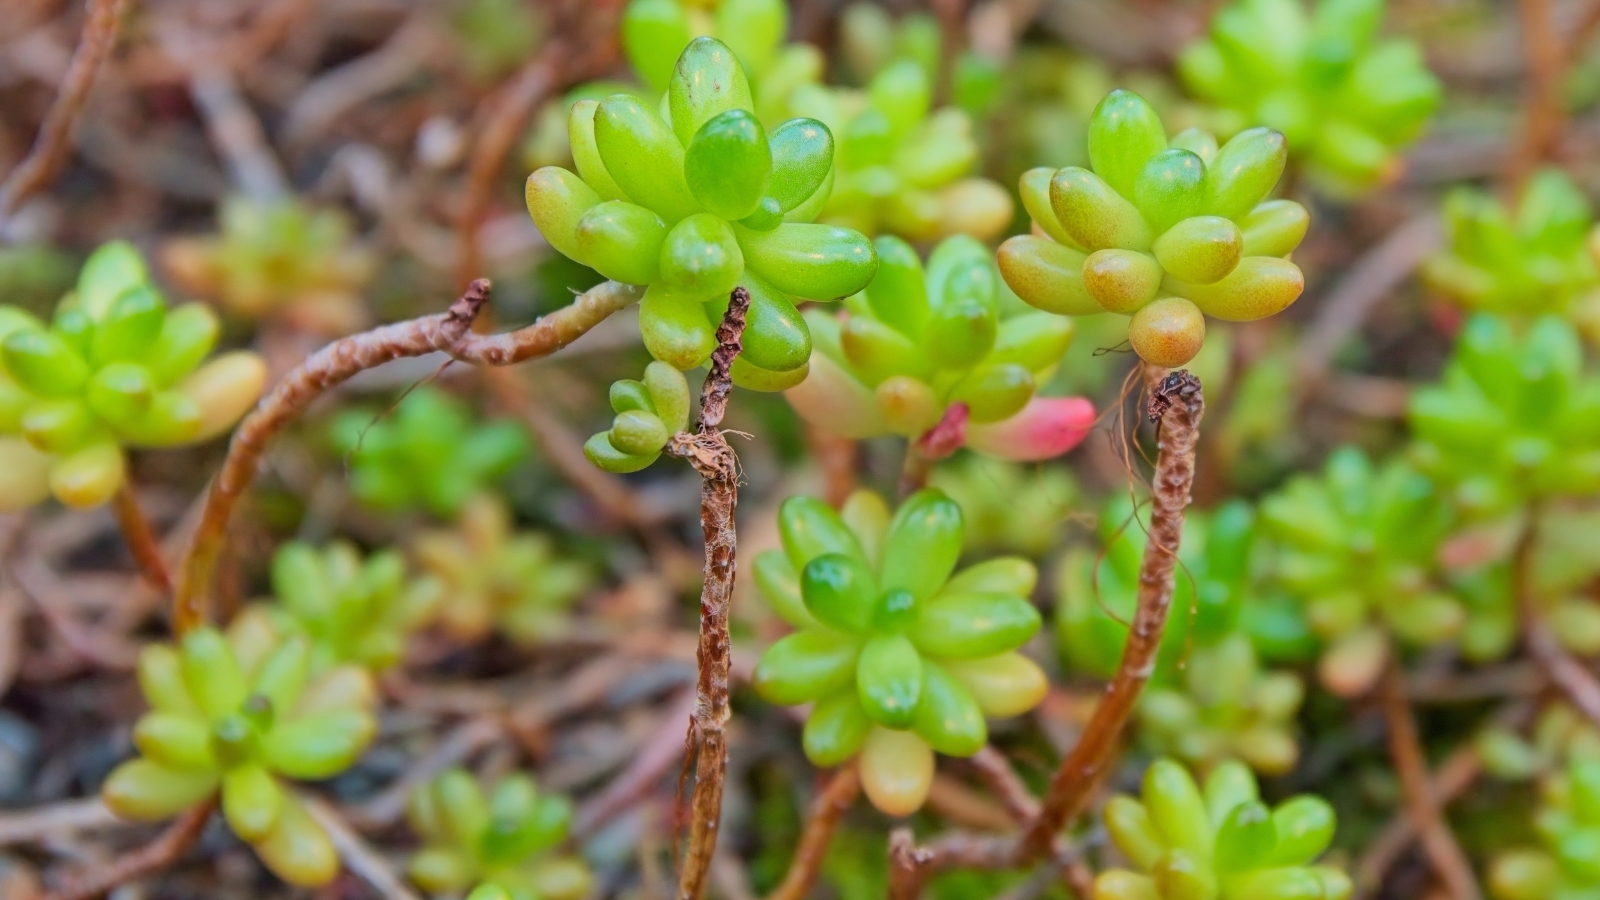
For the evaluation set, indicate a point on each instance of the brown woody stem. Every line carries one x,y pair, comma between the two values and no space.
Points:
1422,805
1575,681
141,539
152,857
826,810
49,150
1177,404
709,453
448,332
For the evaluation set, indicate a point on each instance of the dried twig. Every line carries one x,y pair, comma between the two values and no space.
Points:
1543,100
448,332
659,754
1383,268
708,451
830,805
386,808
44,822
1450,780
1422,805
1178,405
1575,681
357,856
152,857
49,150
141,539
996,772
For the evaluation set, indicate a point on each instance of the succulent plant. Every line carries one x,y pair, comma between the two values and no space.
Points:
1346,101
429,453
902,655
649,413
278,259
1167,232
1567,866
903,167
1538,258
918,342
1225,706
351,610
502,837
494,577
240,713
114,369
1221,842
1515,418
1359,548
1008,507
697,206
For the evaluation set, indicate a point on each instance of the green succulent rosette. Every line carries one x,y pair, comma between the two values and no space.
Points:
495,577
353,611
1347,101
1515,417
503,837
115,368
1358,549
696,201
278,259
903,167
429,452
1165,232
654,32
649,413
1567,864
1536,259
1209,699
1009,507
241,714
901,655
918,342
1220,842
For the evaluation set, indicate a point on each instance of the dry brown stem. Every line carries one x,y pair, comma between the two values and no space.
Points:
448,332
1575,681
708,451
1380,270
49,150
357,855
1177,404
1544,114
1445,855
1457,773
996,772
152,857
829,806
141,539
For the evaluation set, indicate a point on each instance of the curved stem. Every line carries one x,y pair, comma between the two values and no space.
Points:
708,451
1178,404
1577,683
1445,855
152,857
141,539
449,332
49,150
826,810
